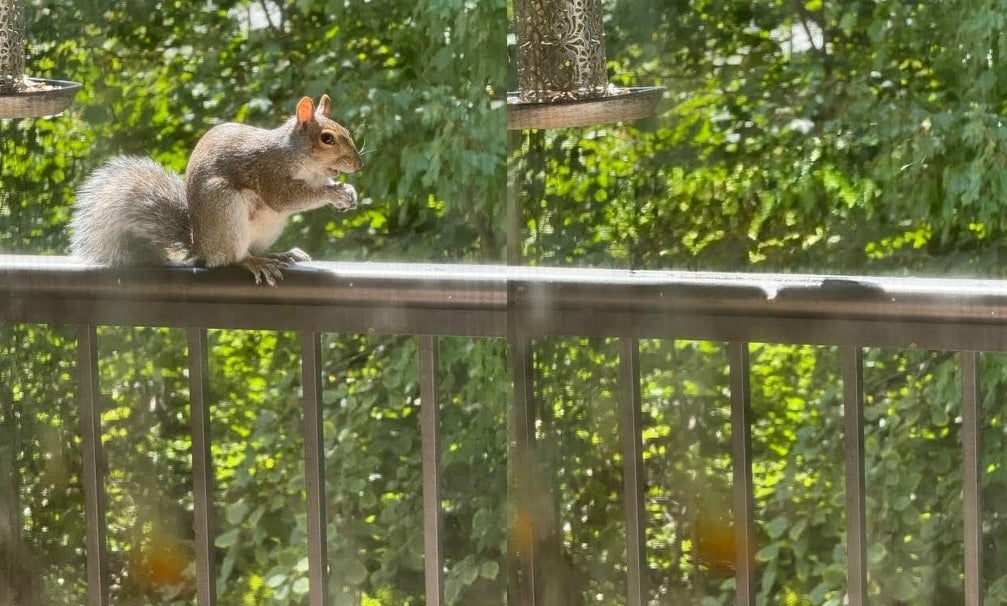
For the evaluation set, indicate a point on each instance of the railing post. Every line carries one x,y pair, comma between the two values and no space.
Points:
93,472
202,467
429,431
856,505
314,468
633,478
972,476
741,460
524,536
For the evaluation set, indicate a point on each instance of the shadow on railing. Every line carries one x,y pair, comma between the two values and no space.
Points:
520,304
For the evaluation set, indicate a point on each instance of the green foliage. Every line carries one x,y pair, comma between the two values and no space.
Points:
39,451
415,84
852,138
793,136
856,137
404,79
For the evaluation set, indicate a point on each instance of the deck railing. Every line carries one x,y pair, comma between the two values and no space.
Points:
520,304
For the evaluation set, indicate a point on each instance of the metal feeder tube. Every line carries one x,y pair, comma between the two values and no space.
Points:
11,46
561,50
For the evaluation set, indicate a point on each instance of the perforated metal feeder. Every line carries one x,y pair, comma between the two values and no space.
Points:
20,96
562,76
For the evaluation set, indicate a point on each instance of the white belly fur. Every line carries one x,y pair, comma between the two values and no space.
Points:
264,224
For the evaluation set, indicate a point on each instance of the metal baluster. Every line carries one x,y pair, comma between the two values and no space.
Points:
741,460
432,517
633,478
971,473
856,508
523,537
314,468
202,466
93,473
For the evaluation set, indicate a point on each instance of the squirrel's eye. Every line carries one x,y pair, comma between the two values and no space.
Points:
328,139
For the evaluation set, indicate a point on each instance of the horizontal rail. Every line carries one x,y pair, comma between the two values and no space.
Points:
480,300
521,304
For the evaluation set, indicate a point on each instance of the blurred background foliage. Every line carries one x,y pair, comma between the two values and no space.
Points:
861,137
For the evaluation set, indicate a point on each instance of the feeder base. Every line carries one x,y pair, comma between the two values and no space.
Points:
41,98
627,104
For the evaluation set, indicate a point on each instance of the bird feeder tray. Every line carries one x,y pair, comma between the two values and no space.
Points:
22,97
619,105
38,98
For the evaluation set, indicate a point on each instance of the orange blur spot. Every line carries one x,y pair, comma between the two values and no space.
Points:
714,544
159,564
522,532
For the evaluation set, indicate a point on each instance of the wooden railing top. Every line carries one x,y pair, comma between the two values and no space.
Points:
496,300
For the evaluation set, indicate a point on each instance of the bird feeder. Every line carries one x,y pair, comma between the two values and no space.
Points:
562,74
563,82
20,96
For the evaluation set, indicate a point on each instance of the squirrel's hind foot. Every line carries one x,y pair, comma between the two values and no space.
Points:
294,255
269,267
264,268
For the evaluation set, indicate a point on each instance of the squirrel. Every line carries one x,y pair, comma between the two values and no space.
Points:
240,186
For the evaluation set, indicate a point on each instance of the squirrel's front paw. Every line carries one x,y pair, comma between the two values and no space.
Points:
344,196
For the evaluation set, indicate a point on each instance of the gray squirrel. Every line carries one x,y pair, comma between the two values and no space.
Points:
240,186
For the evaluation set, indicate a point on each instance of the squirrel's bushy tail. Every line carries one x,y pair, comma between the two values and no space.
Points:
131,211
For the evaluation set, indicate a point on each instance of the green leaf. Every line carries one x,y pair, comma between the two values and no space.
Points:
798,529
777,527
481,522
769,552
300,586
236,512
876,553
489,570
227,538
467,571
834,575
902,587
353,571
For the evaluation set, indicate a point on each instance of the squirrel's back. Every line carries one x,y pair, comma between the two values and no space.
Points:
131,211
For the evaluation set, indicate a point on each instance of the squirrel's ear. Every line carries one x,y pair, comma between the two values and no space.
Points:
305,111
324,105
